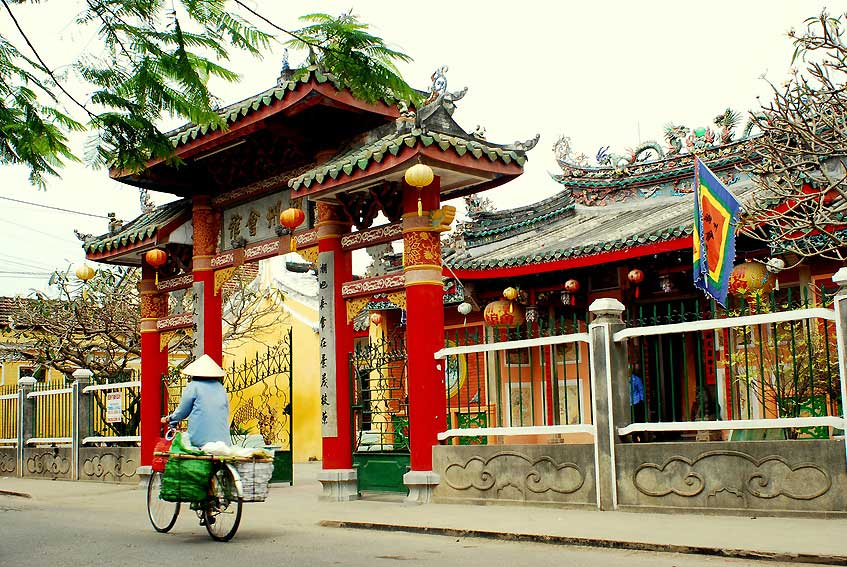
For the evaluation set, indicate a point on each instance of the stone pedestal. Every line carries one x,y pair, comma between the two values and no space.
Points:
144,473
339,485
421,484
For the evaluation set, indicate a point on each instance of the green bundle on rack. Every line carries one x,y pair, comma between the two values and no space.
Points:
185,479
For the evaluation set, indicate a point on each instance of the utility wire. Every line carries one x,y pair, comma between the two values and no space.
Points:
43,64
25,227
54,208
25,273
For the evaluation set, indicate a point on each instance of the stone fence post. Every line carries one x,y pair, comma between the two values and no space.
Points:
840,305
80,416
26,415
609,394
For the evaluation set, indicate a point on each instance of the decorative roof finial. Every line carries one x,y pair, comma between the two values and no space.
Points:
285,71
147,205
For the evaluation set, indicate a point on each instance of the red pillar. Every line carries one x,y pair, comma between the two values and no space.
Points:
424,324
154,362
333,261
205,245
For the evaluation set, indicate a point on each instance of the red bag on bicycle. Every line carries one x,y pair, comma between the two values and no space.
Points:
162,446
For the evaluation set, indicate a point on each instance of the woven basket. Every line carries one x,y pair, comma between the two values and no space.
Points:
254,479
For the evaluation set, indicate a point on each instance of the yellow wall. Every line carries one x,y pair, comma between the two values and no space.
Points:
306,404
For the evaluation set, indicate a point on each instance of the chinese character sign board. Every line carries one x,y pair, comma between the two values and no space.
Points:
114,407
326,322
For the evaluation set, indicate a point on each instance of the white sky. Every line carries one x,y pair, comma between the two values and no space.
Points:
599,72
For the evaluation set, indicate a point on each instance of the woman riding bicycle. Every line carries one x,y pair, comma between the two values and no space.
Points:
204,402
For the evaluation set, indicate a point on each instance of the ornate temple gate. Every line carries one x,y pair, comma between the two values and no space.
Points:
380,406
308,143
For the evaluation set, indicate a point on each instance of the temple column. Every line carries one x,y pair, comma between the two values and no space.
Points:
209,333
154,363
334,268
424,336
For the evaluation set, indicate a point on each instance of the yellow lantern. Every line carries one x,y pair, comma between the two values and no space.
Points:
84,272
751,277
419,176
510,293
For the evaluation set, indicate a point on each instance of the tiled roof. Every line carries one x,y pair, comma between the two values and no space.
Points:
519,220
238,110
141,228
589,231
360,157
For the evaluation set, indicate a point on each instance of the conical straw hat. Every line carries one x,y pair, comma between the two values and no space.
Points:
204,367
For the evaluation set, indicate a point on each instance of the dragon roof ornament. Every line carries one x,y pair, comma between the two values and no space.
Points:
680,141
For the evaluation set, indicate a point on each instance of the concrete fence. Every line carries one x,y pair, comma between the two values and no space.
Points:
54,433
731,461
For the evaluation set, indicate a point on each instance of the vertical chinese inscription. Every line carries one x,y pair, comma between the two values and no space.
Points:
198,310
326,321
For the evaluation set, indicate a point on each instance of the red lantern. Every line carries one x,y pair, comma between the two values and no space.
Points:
156,258
376,318
498,314
569,294
291,218
635,276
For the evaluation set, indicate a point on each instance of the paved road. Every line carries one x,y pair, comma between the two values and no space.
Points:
112,529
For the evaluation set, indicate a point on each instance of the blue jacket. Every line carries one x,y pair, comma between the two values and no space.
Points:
205,404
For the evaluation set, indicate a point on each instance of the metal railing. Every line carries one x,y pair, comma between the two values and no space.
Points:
766,368
8,414
529,380
53,421
114,412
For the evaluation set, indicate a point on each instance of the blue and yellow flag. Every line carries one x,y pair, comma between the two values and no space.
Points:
715,217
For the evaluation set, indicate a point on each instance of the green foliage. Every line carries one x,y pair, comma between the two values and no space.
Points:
344,47
30,132
154,60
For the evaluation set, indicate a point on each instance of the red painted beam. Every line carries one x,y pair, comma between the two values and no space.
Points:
579,262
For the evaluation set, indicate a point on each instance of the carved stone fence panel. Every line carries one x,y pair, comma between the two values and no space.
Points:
54,463
109,464
776,477
8,461
521,474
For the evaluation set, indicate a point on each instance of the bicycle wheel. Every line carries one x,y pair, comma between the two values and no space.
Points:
222,512
162,513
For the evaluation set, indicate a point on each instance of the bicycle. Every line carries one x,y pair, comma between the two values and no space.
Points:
221,510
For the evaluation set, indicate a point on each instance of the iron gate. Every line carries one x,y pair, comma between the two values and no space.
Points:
380,404
260,399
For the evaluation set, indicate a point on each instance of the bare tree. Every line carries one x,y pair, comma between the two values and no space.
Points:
799,162
96,324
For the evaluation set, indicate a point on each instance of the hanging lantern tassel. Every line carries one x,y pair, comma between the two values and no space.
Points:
636,292
420,205
293,241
